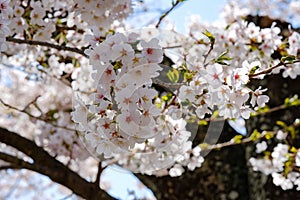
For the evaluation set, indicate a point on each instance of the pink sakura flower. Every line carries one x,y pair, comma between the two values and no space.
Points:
37,14
4,7
239,77
152,51
258,98
214,75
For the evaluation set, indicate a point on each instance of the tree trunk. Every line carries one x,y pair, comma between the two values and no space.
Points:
260,185
226,174
223,175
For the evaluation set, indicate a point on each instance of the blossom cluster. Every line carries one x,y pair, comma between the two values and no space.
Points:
125,114
101,14
275,9
223,83
275,165
5,11
120,117
39,19
283,162
120,114
42,116
220,67
56,22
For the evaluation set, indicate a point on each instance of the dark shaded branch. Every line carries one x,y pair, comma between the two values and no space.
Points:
46,44
100,169
15,163
49,166
9,167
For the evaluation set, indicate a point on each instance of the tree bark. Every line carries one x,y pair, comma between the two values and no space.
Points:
223,175
45,164
226,174
260,185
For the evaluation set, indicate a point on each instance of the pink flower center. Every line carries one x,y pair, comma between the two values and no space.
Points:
236,76
216,76
149,51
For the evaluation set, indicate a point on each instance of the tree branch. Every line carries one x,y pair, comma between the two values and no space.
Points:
230,143
15,162
100,169
167,12
269,70
34,117
46,44
9,167
49,166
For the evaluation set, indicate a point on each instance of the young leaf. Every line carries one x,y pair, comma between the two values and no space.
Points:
210,36
173,75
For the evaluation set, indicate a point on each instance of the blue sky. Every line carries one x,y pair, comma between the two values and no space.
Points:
208,10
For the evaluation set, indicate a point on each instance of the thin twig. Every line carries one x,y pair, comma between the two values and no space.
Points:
61,79
274,109
209,51
245,140
167,12
68,196
46,44
30,103
231,143
271,68
34,117
172,47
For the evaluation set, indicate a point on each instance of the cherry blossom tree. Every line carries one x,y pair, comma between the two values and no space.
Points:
82,89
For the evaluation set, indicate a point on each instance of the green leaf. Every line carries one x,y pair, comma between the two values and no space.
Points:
202,122
204,146
292,131
294,150
267,154
255,135
210,36
167,97
188,76
269,135
288,166
118,65
215,114
237,139
288,58
221,62
253,69
281,124
158,105
223,57
294,101
191,119
173,75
